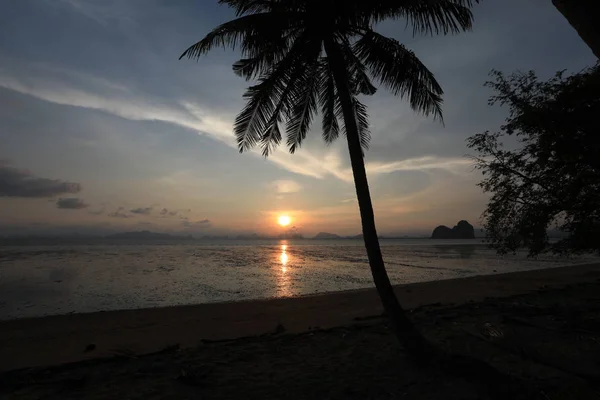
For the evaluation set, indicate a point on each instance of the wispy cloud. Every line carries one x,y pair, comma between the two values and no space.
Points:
81,90
71,203
421,164
165,213
141,210
119,213
304,163
286,186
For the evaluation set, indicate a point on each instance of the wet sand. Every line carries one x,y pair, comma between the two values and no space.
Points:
62,339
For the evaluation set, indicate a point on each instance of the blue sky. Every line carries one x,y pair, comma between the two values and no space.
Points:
102,128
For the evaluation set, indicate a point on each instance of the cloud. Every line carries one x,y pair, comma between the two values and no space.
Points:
72,88
119,213
77,89
202,224
22,183
169,213
420,164
141,210
305,163
286,186
71,203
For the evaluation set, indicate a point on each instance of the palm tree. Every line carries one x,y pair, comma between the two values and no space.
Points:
321,55
583,16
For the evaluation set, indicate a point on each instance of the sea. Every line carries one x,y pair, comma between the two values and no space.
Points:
91,276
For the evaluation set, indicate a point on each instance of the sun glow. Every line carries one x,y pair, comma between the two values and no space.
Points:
284,220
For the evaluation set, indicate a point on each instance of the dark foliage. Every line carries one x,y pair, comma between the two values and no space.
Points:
551,178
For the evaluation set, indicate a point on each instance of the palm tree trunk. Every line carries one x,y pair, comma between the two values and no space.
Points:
416,345
583,16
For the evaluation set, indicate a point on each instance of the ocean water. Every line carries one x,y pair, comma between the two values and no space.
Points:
77,278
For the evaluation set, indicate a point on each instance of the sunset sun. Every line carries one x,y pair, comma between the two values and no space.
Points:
284,220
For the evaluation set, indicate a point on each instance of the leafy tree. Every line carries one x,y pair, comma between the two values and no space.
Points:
314,56
549,177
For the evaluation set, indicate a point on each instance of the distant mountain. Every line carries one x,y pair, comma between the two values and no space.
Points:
214,237
147,235
290,236
251,236
462,230
327,235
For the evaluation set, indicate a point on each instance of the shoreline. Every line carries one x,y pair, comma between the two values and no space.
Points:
58,339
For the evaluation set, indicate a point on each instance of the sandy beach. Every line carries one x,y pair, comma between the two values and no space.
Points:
63,339
539,330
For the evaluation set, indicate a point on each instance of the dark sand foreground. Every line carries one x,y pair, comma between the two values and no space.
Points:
540,326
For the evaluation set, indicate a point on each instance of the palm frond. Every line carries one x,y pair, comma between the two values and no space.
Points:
251,68
362,83
278,94
304,98
267,52
242,7
399,69
327,101
362,121
272,135
426,17
357,73
255,116
263,106
226,35
361,116
253,32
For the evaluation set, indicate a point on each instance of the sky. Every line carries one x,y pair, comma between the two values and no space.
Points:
103,129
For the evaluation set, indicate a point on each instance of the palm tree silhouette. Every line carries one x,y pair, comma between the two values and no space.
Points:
320,55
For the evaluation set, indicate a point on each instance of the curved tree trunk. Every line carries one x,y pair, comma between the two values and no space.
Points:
583,15
416,345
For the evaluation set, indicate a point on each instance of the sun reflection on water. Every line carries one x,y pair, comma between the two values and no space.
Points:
283,279
283,257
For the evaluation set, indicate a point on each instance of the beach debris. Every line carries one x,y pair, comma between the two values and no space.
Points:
89,347
491,331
